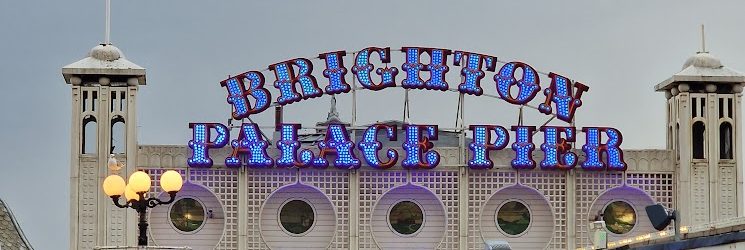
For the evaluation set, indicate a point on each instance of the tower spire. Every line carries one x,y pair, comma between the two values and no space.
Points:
333,113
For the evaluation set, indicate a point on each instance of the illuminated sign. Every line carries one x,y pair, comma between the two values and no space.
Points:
294,80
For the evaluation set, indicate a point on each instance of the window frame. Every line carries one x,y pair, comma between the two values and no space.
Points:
393,230
636,216
530,214
204,210
312,225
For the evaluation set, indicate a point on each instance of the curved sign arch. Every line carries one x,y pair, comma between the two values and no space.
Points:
516,83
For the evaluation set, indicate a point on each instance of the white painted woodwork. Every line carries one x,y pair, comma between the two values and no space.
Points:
321,233
428,236
541,227
164,233
637,198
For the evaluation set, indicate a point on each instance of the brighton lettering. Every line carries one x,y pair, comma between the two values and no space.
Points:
295,80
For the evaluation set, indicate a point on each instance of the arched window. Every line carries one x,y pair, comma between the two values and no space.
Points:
118,135
89,141
698,140
725,140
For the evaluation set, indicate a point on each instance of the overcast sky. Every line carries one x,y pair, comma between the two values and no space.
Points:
621,49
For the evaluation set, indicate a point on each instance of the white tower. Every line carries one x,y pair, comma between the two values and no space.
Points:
703,129
104,90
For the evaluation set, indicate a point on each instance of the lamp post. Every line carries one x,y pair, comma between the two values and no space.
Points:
134,192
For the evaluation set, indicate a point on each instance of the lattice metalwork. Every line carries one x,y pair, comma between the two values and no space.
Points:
553,186
591,184
335,184
482,184
372,185
658,185
261,183
445,185
222,182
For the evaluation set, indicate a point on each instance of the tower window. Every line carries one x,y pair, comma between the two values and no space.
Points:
698,140
725,141
122,101
694,107
89,140
118,132
721,107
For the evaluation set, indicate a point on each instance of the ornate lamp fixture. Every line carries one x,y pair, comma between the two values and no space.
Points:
134,192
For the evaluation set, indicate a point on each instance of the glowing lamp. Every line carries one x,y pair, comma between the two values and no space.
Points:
134,193
171,181
139,182
114,185
130,194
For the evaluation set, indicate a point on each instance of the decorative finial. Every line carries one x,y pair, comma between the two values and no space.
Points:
107,35
333,114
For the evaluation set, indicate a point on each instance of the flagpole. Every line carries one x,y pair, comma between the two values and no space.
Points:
108,23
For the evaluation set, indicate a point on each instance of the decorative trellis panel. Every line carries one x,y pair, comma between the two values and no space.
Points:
445,185
481,185
700,193
372,185
727,192
222,182
658,185
335,184
553,186
116,221
261,183
87,205
589,185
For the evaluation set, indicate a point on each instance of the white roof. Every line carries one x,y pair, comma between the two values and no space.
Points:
104,60
703,68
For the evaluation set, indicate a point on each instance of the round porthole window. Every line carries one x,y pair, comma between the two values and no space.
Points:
619,217
513,218
187,215
406,217
296,217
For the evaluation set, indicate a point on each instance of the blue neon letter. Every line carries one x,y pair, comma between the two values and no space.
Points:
200,144
471,72
436,67
528,86
369,146
286,80
362,68
418,145
482,144
249,143
238,94
288,146
337,142
556,150
335,72
593,149
560,93
523,147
